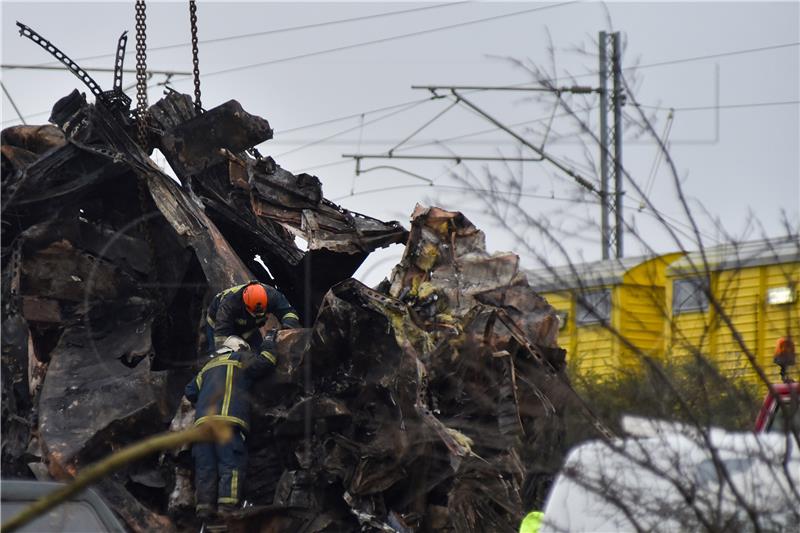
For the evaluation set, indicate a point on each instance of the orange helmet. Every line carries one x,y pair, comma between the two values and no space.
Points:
784,346
255,299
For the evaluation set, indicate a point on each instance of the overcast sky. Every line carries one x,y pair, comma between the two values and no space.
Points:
330,78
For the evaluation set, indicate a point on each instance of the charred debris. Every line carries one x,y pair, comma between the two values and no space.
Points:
433,402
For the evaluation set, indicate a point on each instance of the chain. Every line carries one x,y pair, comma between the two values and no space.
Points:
15,267
141,72
195,57
255,153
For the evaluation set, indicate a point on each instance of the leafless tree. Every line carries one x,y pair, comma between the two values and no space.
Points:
684,381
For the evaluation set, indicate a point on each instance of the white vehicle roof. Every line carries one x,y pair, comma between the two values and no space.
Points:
665,478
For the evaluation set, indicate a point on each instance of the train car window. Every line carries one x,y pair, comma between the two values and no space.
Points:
688,295
781,295
594,307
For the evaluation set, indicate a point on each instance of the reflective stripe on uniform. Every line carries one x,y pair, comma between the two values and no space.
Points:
218,361
226,403
235,484
235,288
269,356
290,315
232,419
218,297
232,489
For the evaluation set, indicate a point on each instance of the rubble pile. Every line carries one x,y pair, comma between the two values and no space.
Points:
433,402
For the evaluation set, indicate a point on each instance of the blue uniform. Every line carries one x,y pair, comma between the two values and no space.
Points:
221,391
227,315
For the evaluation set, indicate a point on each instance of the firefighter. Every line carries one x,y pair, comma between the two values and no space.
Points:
241,310
221,391
785,356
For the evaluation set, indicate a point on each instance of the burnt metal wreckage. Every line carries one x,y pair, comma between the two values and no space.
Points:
433,402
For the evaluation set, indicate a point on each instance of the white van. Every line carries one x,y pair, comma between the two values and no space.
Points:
665,477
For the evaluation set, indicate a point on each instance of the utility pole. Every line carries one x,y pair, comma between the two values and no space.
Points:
611,131
611,135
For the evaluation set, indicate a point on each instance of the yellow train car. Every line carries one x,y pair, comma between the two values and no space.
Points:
611,311
753,289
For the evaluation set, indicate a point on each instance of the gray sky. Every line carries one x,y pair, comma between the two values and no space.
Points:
737,164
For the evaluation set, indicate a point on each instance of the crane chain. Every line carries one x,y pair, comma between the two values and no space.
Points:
141,72
195,56
141,122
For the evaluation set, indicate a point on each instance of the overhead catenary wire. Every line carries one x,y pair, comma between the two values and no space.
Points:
714,56
657,64
491,130
696,58
425,125
348,130
553,80
384,39
12,66
282,30
462,189
675,223
657,159
594,73
661,63
676,61
353,115
542,119
13,104
721,106
580,180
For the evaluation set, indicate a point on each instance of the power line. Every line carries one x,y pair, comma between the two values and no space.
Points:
354,115
22,118
93,69
14,105
491,130
670,221
726,106
662,63
542,119
281,30
347,130
680,60
463,189
383,40
441,28
714,56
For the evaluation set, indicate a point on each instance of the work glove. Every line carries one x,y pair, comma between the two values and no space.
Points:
269,345
236,343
